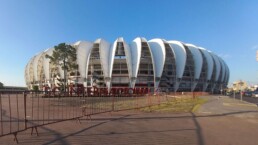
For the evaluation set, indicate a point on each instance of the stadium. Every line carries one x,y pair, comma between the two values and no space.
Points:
157,64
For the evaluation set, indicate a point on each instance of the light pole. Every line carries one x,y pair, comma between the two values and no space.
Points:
234,89
221,89
241,84
64,60
64,63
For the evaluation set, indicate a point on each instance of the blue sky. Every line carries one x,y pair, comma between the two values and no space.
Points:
229,28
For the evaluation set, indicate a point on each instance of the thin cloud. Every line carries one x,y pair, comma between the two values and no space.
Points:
254,47
225,56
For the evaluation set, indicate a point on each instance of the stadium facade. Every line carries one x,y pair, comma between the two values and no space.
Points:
168,65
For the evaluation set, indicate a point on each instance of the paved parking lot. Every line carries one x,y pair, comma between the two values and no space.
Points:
247,99
221,121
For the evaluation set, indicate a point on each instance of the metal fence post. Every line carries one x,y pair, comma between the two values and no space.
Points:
25,109
113,103
1,116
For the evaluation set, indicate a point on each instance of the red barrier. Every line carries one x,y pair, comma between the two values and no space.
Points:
20,112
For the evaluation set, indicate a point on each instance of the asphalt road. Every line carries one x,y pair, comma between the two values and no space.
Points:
247,99
220,121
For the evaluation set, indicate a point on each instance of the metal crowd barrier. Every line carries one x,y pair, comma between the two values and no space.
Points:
20,111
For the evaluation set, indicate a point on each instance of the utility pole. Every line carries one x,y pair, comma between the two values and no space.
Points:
241,84
64,75
234,89
221,89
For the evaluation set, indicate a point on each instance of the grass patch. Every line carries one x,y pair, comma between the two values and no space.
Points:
198,104
180,105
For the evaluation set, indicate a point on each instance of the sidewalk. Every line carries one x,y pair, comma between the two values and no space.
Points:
221,121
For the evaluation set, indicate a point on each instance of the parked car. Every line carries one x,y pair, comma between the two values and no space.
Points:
229,93
248,94
255,94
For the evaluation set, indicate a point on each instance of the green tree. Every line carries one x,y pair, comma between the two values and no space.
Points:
1,85
35,88
65,56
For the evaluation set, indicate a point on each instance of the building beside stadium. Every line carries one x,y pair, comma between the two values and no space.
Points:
168,65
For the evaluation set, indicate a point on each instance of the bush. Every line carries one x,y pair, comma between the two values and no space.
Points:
35,88
1,85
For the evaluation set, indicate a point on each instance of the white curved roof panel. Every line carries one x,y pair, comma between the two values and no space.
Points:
35,66
129,60
224,72
46,63
180,57
227,73
228,76
128,55
33,69
136,49
223,69
218,66
112,56
104,48
210,63
83,54
158,52
198,60
27,71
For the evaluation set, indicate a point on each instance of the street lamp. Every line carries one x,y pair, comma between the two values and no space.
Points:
241,84
221,89
234,89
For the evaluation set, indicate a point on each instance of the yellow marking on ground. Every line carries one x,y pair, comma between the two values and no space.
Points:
240,104
206,112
